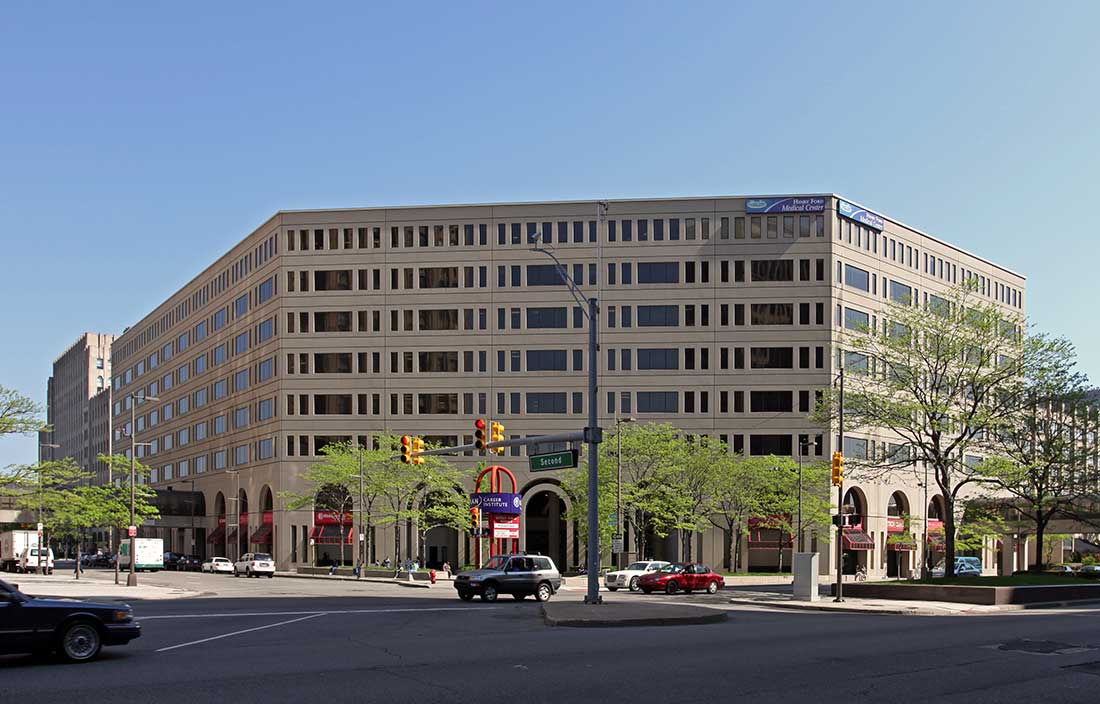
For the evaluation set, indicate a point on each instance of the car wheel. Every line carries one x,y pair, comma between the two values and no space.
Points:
633,584
79,642
249,574
712,587
672,587
519,597
235,573
543,592
271,575
647,590
612,589
466,596
489,593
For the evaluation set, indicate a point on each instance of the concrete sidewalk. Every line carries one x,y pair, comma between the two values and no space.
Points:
64,586
577,614
857,605
375,580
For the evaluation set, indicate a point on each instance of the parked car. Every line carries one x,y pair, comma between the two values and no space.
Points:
255,564
964,567
172,560
1090,571
518,575
216,565
76,630
30,560
1060,569
189,563
681,576
629,576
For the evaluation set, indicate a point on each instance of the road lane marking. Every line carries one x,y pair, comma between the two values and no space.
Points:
310,613
237,633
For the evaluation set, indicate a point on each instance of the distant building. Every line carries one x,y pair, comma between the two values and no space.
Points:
79,374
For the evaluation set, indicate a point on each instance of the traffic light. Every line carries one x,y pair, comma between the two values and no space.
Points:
475,513
417,448
479,433
496,435
406,449
838,468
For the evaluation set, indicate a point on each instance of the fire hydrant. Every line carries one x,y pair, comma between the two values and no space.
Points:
431,573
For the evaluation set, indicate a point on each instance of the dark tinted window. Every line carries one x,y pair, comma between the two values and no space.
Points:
658,316
546,360
658,358
773,270
546,318
772,313
658,401
658,272
771,357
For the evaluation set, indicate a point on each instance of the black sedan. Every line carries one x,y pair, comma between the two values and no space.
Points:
76,630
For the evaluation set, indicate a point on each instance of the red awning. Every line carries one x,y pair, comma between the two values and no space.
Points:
216,536
855,539
262,536
331,535
901,547
232,534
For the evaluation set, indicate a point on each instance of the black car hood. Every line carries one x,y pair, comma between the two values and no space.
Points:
73,604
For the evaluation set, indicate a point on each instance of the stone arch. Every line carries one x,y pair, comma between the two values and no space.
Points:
898,504
855,505
936,509
545,528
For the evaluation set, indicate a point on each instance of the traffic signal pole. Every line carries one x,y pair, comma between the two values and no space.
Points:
593,595
840,501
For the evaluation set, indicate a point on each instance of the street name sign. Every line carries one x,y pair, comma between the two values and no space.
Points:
566,459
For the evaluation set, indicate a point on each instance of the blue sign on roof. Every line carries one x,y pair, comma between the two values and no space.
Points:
860,215
800,204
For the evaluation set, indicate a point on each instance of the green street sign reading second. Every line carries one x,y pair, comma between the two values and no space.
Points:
566,459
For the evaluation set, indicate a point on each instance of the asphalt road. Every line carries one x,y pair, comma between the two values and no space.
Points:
395,645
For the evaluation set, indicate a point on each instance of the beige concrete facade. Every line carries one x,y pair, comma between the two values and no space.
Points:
79,373
342,323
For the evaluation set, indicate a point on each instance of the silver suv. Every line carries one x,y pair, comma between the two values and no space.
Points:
518,575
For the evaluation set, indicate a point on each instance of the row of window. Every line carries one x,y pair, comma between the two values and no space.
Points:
241,417
906,255
236,456
214,323
242,267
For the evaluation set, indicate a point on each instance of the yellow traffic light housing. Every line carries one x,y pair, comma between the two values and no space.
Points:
838,468
406,449
417,448
497,435
479,433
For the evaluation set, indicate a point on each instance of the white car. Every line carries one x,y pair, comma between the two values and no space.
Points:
214,565
30,561
254,564
628,577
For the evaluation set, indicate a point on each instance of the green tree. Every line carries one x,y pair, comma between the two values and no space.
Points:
575,483
18,414
683,499
334,478
652,454
43,489
444,504
941,378
1040,462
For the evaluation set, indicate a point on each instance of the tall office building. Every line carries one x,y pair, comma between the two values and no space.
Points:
718,315
79,374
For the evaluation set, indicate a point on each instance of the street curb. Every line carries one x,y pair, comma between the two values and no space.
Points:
810,606
375,580
712,617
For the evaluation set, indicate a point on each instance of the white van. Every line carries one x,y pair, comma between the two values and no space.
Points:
30,560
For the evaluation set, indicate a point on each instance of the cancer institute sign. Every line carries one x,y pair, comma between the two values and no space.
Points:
811,204
497,503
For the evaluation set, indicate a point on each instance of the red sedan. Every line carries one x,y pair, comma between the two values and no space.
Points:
682,576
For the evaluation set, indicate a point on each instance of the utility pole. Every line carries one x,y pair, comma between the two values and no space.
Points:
359,527
131,579
592,434
840,501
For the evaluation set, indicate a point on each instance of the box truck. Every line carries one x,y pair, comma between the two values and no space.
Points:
13,544
150,554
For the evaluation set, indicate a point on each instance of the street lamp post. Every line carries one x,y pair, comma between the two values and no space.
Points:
924,548
131,578
359,528
619,487
592,432
237,502
41,532
840,500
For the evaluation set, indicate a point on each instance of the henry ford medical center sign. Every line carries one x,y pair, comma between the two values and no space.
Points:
810,204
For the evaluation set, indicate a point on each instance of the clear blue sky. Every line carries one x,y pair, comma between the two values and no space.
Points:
139,143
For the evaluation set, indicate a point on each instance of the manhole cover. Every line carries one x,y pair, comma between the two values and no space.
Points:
1042,647
1089,668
